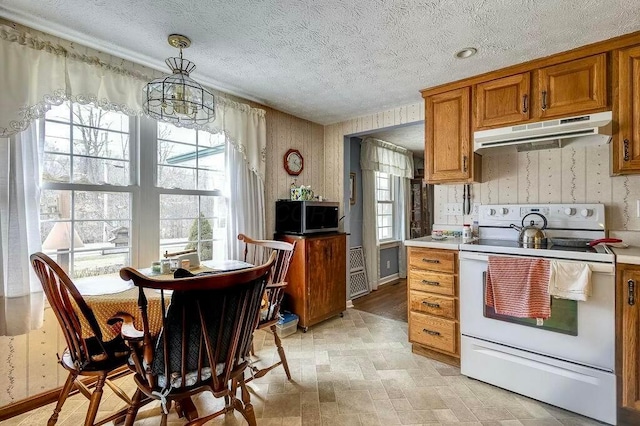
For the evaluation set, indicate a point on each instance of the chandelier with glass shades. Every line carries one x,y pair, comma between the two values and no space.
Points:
177,98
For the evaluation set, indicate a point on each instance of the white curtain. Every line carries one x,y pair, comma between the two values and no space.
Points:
380,156
41,70
21,297
245,193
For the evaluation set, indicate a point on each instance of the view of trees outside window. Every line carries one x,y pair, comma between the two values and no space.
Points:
384,193
195,162
88,189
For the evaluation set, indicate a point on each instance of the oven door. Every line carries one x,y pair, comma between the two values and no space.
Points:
584,333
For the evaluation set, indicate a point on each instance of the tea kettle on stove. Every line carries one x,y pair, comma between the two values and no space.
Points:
530,235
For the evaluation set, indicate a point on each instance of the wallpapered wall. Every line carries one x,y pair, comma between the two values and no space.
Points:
567,175
28,363
285,132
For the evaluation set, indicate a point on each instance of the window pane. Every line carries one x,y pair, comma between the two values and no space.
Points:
176,177
56,138
99,171
102,205
193,222
56,168
99,262
100,143
170,132
54,205
95,133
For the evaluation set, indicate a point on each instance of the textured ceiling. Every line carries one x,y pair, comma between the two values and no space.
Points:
330,60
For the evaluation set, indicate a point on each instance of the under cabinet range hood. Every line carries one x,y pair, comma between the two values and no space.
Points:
590,129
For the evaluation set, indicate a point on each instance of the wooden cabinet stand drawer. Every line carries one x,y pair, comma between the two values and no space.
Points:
435,332
432,282
432,304
432,260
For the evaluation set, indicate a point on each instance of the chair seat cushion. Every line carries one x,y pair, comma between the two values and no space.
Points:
190,378
115,354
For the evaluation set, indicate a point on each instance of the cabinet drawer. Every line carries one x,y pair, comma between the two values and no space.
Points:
435,332
432,282
432,260
428,303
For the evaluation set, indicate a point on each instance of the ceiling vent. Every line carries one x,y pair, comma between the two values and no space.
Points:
591,129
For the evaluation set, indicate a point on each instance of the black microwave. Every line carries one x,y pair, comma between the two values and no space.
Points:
306,217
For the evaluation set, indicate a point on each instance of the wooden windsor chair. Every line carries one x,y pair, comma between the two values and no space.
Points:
204,342
83,356
255,251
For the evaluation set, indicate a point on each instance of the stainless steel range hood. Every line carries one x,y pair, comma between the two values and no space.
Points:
590,129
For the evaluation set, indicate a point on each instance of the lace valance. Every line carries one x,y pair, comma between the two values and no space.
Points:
40,70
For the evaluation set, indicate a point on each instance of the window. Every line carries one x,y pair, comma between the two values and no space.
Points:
384,196
99,188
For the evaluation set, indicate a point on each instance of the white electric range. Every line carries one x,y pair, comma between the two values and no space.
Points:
569,359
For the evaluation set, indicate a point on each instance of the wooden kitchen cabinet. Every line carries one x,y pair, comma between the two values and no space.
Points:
628,343
433,315
449,156
502,102
625,148
317,283
571,88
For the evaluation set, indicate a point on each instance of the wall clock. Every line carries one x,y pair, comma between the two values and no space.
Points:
293,162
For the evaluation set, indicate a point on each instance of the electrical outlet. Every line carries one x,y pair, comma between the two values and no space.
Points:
475,209
388,264
453,209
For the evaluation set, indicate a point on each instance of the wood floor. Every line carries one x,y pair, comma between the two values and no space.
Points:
389,301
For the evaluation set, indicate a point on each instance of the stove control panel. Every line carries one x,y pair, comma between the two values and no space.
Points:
558,216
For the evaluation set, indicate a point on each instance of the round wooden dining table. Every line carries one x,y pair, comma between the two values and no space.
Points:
109,295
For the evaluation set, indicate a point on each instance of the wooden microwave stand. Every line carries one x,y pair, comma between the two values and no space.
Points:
317,277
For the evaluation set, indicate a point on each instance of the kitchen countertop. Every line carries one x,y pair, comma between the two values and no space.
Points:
451,243
630,255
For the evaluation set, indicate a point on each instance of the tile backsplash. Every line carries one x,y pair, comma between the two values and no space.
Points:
567,175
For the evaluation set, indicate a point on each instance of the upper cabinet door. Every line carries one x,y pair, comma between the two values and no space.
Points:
626,142
571,88
448,151
503,101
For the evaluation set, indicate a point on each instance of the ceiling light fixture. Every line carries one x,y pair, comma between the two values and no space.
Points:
177,98
466,52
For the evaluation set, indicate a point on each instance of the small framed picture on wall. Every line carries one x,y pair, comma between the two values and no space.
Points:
352,188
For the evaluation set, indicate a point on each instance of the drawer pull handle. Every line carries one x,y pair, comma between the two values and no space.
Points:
435,283
430,260
544,100
631,290
431,332
525,103
431,305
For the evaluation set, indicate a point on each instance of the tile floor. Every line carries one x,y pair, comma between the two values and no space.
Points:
355,370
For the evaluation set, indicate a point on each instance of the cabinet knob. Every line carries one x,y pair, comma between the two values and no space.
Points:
525,103
544,100
631,291
626,149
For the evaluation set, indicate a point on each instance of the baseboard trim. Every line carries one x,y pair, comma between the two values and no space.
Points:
389,279
36,401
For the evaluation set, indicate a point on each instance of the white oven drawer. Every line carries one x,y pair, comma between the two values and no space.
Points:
586,391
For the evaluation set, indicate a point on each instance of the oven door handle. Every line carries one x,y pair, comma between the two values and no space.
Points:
599,267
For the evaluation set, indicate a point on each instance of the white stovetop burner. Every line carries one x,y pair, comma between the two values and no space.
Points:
580,221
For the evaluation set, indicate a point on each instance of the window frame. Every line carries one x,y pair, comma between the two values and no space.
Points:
387,202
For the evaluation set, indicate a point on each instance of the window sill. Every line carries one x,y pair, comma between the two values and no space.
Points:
389,244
